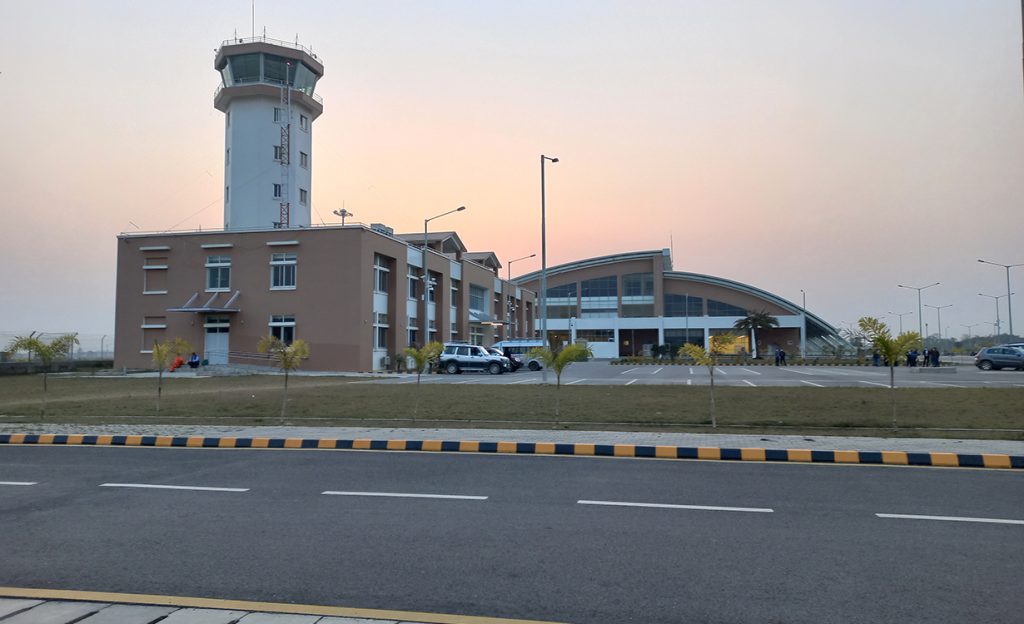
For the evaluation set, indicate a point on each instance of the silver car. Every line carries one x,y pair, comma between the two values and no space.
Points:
995,358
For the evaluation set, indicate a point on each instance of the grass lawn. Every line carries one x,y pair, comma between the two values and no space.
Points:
992,413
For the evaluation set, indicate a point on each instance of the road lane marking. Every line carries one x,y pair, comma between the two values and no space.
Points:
872,383
631,382
405,495
520,382
689,382
749,383
628,371
667,506
798,372
691,370
658,370
950,518
153,486
810,383
577,381
18,482
751,371
720,371
939,383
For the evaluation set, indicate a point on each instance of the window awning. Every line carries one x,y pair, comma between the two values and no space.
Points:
485,318
212,304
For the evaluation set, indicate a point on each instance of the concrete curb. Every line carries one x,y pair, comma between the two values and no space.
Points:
895,458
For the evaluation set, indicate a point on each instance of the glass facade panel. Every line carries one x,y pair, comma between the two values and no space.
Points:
676,337
596,335
477,298
720,308
676,305
637,310
304,79
565,290
243,68
600,287
638,285
275,68
561,312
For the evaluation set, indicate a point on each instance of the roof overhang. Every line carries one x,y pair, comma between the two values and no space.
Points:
211,305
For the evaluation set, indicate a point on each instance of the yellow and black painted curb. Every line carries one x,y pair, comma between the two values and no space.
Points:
900,458
258,607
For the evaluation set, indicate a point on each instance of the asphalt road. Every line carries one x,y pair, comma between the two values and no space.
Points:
603,373
545,538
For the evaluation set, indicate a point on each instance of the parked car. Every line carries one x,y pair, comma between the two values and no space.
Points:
513,364
995,358
460,356
519,348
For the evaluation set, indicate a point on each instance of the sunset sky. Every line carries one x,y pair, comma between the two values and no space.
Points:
835,146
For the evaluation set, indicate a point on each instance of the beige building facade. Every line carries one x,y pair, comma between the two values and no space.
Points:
356,294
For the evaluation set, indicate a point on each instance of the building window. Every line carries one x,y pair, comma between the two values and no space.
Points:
227,119
477,297
380,330
414,281
638,285
278,152
304,160
476,333
720,308
565,291
218,272
588,313
279,115
154,276
282,270
227,156
414,333
380,274
303,196
432,287
600,287
683,305
596,335
637,310
227,193
282,327
431,330
277,191
304,122
561,311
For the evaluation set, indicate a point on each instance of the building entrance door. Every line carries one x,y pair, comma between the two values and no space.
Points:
216,348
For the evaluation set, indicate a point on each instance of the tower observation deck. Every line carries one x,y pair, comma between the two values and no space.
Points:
267,95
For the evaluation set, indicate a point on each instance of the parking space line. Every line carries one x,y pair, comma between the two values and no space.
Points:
689,382
522,381
810,383
872,383
950,518
406,495
749,383
720,371
939,383
798,372
577,381
668,506
628,371
19,482
631,382
751,371
658,370
152,486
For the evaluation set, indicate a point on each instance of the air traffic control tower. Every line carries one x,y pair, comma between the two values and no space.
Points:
269,105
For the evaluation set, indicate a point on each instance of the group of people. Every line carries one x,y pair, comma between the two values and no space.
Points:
930,357
193,362
780,357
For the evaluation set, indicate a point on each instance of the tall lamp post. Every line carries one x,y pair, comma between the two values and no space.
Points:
544,263
513,323
996,298
803,325
969,328
1009,299
426,275
920,320
343,214
901,315
938,313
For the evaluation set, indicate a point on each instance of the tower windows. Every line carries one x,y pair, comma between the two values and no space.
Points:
304,122
277,191
279,115
227,156
227,193
278,152
304,160
303,196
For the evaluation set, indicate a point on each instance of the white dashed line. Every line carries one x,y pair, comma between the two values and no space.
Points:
667,506
577,381
628,371
810,383
950,518
751,371
512,383
18,482
691,370
749,383
947,385
720,371
658,370
689,382
173,487
404,495
798,372
631,382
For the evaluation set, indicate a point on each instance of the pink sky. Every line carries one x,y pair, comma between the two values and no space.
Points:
840,147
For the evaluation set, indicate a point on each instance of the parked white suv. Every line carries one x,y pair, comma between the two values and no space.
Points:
460,356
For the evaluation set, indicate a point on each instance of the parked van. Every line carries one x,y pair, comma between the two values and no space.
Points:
518,348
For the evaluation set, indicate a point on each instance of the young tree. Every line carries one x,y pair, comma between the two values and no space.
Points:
47,352
423,357
163,354
709,357
285,357
890,348
557,360
754,321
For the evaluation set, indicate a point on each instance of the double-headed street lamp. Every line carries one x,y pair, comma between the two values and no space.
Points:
996,298
1009,299
901,315
426,276
969,328
938,312
920,321
544,263
513,323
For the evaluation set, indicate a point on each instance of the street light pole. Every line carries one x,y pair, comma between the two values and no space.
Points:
969,328
343,214
1009,298
920,321
901,315
426,276
938,312
803,325
996,298
533,255
544,263
513,323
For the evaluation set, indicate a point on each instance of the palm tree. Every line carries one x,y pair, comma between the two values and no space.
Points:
423,358
558,360
890,348
754,321
709,358
163,354
287,357
47,352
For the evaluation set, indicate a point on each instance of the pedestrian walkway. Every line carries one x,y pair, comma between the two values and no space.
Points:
817,442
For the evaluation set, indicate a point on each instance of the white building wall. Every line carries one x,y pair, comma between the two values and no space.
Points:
250,170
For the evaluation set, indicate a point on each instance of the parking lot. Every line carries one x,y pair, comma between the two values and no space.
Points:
604,373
